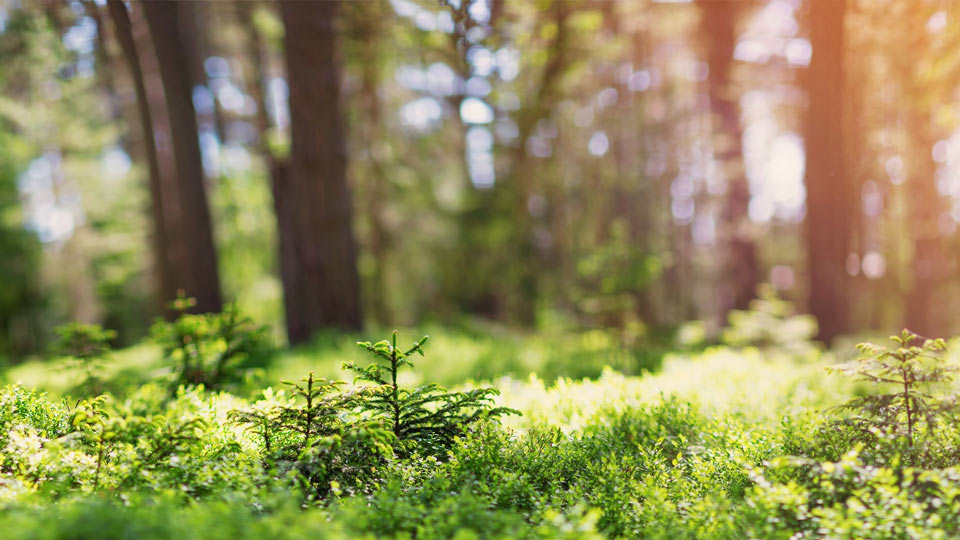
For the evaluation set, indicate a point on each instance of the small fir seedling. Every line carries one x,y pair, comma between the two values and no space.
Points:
319,437
427,418
909,370
88,346
323,413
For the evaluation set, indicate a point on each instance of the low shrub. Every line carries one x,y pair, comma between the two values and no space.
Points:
209,349
87,346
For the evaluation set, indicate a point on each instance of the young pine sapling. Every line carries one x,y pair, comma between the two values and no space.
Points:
427,418
317,436
909,370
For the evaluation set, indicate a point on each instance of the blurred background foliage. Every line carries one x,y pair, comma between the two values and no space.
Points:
513,166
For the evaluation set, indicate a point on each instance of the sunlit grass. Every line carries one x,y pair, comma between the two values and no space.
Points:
453,357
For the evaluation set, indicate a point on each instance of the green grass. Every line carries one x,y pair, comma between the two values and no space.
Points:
456,356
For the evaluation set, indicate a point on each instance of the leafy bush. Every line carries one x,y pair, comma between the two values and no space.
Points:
164,519
771,322
88,346
136,445
209,348
800,498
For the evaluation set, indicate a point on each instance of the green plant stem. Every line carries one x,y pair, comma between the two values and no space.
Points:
100,450
309,411
906,400
396,389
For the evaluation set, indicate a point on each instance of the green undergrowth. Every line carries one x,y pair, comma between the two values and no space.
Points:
746,440
456,355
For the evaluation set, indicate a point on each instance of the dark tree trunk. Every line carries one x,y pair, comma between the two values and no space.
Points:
195,262
740,273
831,199
125,37
368,28
105,59
277,169
315,201
291,274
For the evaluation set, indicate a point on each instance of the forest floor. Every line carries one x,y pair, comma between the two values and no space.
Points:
719,442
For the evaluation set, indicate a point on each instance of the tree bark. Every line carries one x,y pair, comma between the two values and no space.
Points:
368,28
315,201
125,37
195,262
740,273
831,200
277,169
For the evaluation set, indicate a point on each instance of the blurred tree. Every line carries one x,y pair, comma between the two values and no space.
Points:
314,205
187,215
922,93
277,169
501,225
831,198
125,37
368,45
58,136
740,273
21,298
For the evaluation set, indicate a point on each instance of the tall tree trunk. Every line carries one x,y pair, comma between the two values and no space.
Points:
316,198
104,58
368,29
196,19
831,200
125,37
740,273
196,261
277,169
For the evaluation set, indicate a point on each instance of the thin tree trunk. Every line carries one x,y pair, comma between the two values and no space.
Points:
197,275
830,197
125,37
196,18
277,169
316,195
739,273
369,29
519,178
